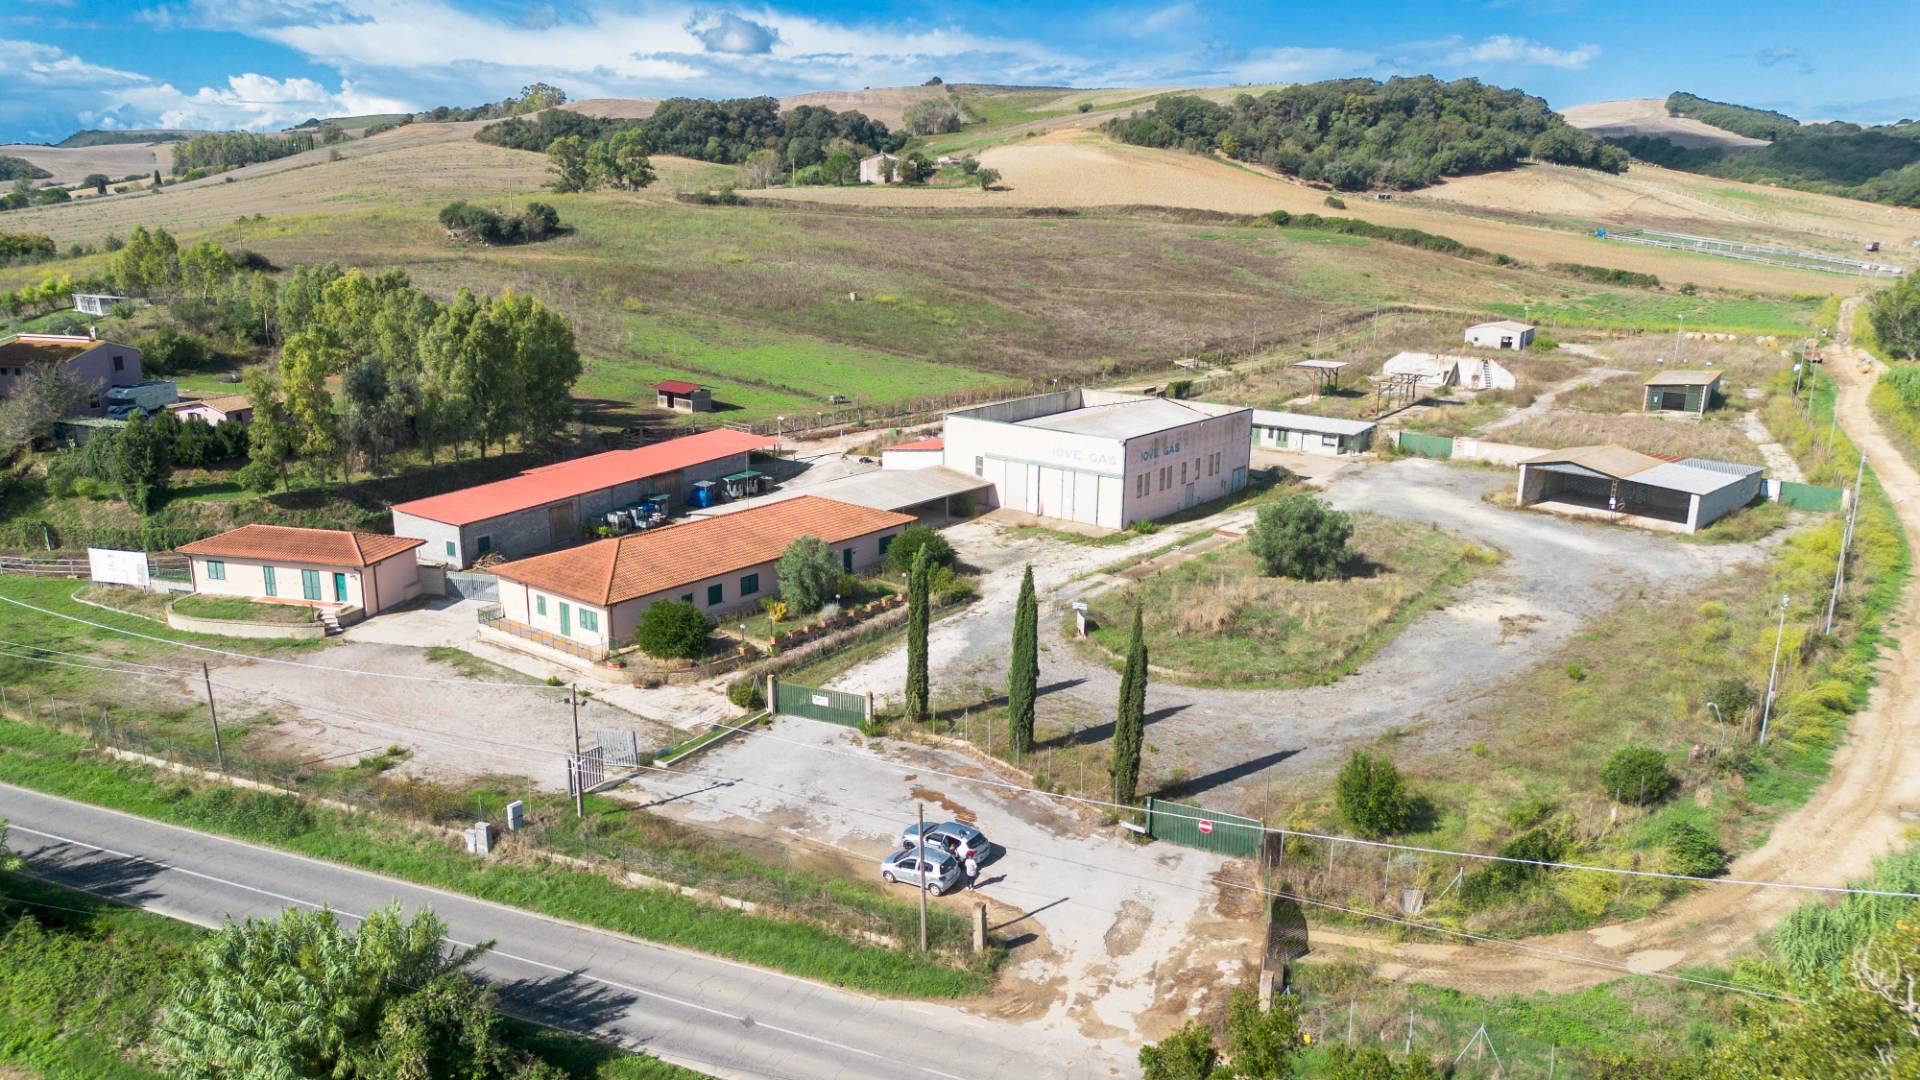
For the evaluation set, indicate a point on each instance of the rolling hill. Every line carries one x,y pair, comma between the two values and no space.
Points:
1648,117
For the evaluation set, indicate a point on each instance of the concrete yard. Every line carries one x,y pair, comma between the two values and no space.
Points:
1112,939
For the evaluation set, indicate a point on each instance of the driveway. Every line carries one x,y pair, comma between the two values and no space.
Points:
1114,939
1232,746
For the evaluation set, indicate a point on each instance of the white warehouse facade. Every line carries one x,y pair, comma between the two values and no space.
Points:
1101,458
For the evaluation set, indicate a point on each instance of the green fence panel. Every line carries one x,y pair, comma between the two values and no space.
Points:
1436,446
1810,496
816,703
1208,830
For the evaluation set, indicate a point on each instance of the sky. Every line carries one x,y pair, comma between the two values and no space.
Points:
267,64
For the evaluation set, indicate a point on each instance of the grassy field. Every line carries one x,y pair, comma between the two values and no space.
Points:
1714,437
1218,620
1635,309
240,609
82,983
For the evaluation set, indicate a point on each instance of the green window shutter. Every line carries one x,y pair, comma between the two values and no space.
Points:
540,604
216,570
266,574
716,595
846,560
749,584
450,551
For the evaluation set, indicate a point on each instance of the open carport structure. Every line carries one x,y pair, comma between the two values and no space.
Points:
1613,482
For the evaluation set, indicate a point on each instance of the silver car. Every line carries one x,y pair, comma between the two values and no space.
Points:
941,872
961,841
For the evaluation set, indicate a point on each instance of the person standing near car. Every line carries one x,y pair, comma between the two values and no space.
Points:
973,873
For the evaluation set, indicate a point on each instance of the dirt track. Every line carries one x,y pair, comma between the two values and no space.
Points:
1860,813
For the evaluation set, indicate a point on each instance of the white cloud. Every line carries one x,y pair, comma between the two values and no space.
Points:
729,33
44,67
1508,49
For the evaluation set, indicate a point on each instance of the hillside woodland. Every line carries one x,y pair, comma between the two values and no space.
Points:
1356,134
1880,163
724,132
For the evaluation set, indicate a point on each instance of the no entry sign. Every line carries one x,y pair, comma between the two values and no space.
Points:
1205,826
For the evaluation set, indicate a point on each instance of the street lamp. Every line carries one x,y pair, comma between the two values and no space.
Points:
1766,711
1715,706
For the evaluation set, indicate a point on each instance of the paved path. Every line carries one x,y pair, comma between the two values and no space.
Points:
723,1018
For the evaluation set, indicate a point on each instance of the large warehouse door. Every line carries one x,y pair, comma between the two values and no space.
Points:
560,523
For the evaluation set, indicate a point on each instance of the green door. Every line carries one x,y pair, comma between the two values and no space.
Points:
566,620
846,559
340,587
310,584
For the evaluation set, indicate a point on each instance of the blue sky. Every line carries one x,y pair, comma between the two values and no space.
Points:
263,64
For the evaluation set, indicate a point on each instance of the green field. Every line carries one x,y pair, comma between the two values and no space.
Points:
1669,311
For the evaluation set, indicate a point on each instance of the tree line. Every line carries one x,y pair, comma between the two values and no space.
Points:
725,132
1355,134
231,149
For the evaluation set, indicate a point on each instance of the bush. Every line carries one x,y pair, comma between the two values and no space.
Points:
1372,796
1335,202
1736,697
1692,850
673,630
1086,106
808,574
911,539
948,588
1301,537
746,694
1187,1054
469,222
1637,776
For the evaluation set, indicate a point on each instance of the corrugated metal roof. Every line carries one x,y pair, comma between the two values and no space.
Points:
1615,461
327,547
1722,466
1121,419
1682,378
567,479
935,443
1328,425
676,386
880,489
1688,478
660,560
1514,325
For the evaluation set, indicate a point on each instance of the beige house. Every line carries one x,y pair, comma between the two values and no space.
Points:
326,568
587,599
234,408
879,169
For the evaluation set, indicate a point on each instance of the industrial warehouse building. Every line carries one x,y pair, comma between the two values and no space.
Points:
1101,458
1308,434
1504,334
586,599
1682,391
548,506
1618,484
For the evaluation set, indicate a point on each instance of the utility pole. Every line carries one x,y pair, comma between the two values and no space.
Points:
579,777
1846,541
219,753
1766,711
920,834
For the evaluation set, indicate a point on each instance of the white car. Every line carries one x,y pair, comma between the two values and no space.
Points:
940,873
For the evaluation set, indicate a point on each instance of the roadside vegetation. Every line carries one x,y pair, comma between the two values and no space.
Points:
84,985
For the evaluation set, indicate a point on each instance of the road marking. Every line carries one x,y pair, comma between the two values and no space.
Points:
575,972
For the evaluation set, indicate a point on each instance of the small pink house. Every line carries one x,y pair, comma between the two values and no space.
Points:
330,568
95,363
234,408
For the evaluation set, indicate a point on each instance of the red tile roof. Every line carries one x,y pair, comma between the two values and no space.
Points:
935,443
624,568
327,547
675,386
566,479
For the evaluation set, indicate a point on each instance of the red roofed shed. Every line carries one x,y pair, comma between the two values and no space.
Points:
682,396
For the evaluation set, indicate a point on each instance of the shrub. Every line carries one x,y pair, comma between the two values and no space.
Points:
911,539
808,574
746,694
1086,106
1372,796
776,609
673,630
1301,537
947,587
1735,696
1637,775
1187,1054
1335,202
1692,850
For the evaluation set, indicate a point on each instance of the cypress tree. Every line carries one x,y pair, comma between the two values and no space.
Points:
917,639
1023,675
1130,720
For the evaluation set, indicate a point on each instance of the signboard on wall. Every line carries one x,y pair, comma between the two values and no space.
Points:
112,566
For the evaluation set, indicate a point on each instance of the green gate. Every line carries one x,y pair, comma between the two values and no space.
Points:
1810,496
1439,446
816,703
1195,826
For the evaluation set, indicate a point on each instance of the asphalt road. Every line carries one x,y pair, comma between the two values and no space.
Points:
714,1015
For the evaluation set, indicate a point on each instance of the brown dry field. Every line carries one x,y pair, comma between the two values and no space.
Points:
886,104
1648,116
615,108
1074,166
70,165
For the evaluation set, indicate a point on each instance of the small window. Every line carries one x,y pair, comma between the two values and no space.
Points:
749,584
716,595
885,543
687,599
450,553
483,545
1183,472
119,363
1330,440
93,401
540,605
979,466
589,620
266,576
216,570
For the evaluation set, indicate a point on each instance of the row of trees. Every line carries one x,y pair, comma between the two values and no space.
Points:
531,224
1894,313
1355,134
726,132
231,149
410,373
